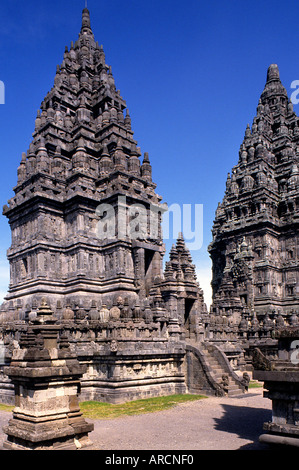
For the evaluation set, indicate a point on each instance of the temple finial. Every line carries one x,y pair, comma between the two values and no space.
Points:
85,18
273,73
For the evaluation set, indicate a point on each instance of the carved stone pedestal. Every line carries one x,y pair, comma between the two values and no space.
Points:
46,377
281,381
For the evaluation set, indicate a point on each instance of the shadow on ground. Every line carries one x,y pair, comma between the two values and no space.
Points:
245,422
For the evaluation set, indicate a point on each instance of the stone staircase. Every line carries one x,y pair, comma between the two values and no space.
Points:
222,375
209,371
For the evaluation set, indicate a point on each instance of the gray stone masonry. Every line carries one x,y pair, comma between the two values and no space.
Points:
254,250
46,377
281,383
86,233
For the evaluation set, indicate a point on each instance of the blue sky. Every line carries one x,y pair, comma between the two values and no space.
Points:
191,73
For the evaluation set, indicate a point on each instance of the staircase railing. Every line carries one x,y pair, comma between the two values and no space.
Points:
221,357
215,387
218,388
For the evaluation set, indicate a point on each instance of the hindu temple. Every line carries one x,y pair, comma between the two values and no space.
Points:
87,246
85,221
254,247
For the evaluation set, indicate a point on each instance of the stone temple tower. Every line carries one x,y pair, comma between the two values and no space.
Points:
85,218
87,242
255,234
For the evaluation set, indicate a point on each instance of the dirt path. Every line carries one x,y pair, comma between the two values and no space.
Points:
209,424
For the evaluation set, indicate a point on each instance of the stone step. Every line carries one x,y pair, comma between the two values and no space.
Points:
217,371
215,366
232,393
233,387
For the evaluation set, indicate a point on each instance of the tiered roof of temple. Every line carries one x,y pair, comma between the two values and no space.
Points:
82,135
254,248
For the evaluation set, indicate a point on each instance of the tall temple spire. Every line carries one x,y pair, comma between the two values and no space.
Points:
85,101
83,147
86,227
260,205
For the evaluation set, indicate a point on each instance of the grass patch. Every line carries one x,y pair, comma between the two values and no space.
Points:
99,410
8,408
253,384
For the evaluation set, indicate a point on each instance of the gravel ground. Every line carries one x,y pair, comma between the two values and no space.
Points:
208,424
